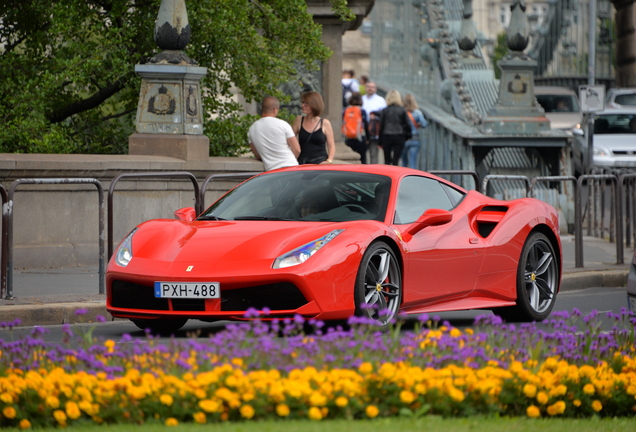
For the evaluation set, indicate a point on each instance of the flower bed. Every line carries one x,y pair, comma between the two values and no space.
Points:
262,370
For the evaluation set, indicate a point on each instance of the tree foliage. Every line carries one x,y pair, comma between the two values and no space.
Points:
68,83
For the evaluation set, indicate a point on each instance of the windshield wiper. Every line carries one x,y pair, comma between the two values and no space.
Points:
210,218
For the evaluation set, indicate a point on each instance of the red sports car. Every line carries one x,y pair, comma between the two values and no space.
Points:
327,242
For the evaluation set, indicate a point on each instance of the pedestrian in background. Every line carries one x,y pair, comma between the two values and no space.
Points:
364,79
315,134
395,128
412,147
273,140
372,103
355,127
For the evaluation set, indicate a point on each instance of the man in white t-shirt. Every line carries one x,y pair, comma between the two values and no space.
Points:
373,103
272,140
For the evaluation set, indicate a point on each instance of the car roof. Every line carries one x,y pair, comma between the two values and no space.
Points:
611,111
555,90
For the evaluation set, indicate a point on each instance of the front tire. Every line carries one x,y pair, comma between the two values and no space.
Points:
378,289
537,282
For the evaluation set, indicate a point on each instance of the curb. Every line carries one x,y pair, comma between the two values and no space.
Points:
54,313
604,278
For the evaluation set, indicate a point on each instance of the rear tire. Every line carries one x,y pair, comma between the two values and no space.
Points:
160,326
378,289
537,282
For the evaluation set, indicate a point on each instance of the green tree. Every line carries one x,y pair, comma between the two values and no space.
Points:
500,51
68,83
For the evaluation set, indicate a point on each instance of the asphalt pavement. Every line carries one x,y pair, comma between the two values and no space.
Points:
53,296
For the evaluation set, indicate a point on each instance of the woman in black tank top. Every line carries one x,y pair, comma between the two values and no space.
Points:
315,135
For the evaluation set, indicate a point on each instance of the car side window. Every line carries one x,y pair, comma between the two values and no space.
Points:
416,195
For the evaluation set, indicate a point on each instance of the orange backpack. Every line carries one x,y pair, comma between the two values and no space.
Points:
352,125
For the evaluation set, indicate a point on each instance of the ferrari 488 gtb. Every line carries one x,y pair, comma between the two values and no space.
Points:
331,241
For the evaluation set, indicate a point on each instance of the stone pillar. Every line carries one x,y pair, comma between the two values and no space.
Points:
625,42
332,30
170,113
517,110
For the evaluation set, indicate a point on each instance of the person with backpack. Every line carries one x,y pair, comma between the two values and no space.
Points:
349,86
417,121
373,104
355,127
395,128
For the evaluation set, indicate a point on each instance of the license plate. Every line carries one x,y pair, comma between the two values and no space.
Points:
187,289
632,303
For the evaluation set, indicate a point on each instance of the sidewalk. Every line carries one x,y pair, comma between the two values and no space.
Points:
51,296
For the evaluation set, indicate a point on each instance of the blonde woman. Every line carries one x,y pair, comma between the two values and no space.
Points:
395,128
412,146
315,134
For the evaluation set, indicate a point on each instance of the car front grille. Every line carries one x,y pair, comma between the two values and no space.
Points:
277,296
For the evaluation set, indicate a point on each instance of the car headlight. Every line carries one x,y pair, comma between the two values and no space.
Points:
600,151
303,253
124,251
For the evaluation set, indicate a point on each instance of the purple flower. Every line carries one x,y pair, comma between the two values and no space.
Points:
82,311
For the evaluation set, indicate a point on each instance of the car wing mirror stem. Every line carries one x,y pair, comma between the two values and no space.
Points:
430,217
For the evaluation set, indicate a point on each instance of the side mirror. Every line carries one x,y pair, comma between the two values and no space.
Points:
578,131
186,214
430,217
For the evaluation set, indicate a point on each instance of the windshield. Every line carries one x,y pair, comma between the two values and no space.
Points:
334,196
615,124
558,103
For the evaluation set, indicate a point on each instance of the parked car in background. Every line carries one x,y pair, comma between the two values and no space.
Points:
615,138
621,98
562,108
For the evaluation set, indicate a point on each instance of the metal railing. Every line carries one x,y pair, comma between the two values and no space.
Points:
7,225
488,178
5,239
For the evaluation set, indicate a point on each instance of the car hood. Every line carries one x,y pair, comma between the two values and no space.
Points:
616,141
564,120
226,241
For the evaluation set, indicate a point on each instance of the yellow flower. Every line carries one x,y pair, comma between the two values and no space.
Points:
282,410
52,402
24,424
597,405
315,413
530,390
365,368
372,411
588,389
576,402
60,416
342,401
209,405
407,397
533,411
6,398
542,398
166,399
9,412
199,417
556,408
171,421
247,411
318,399
72,410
